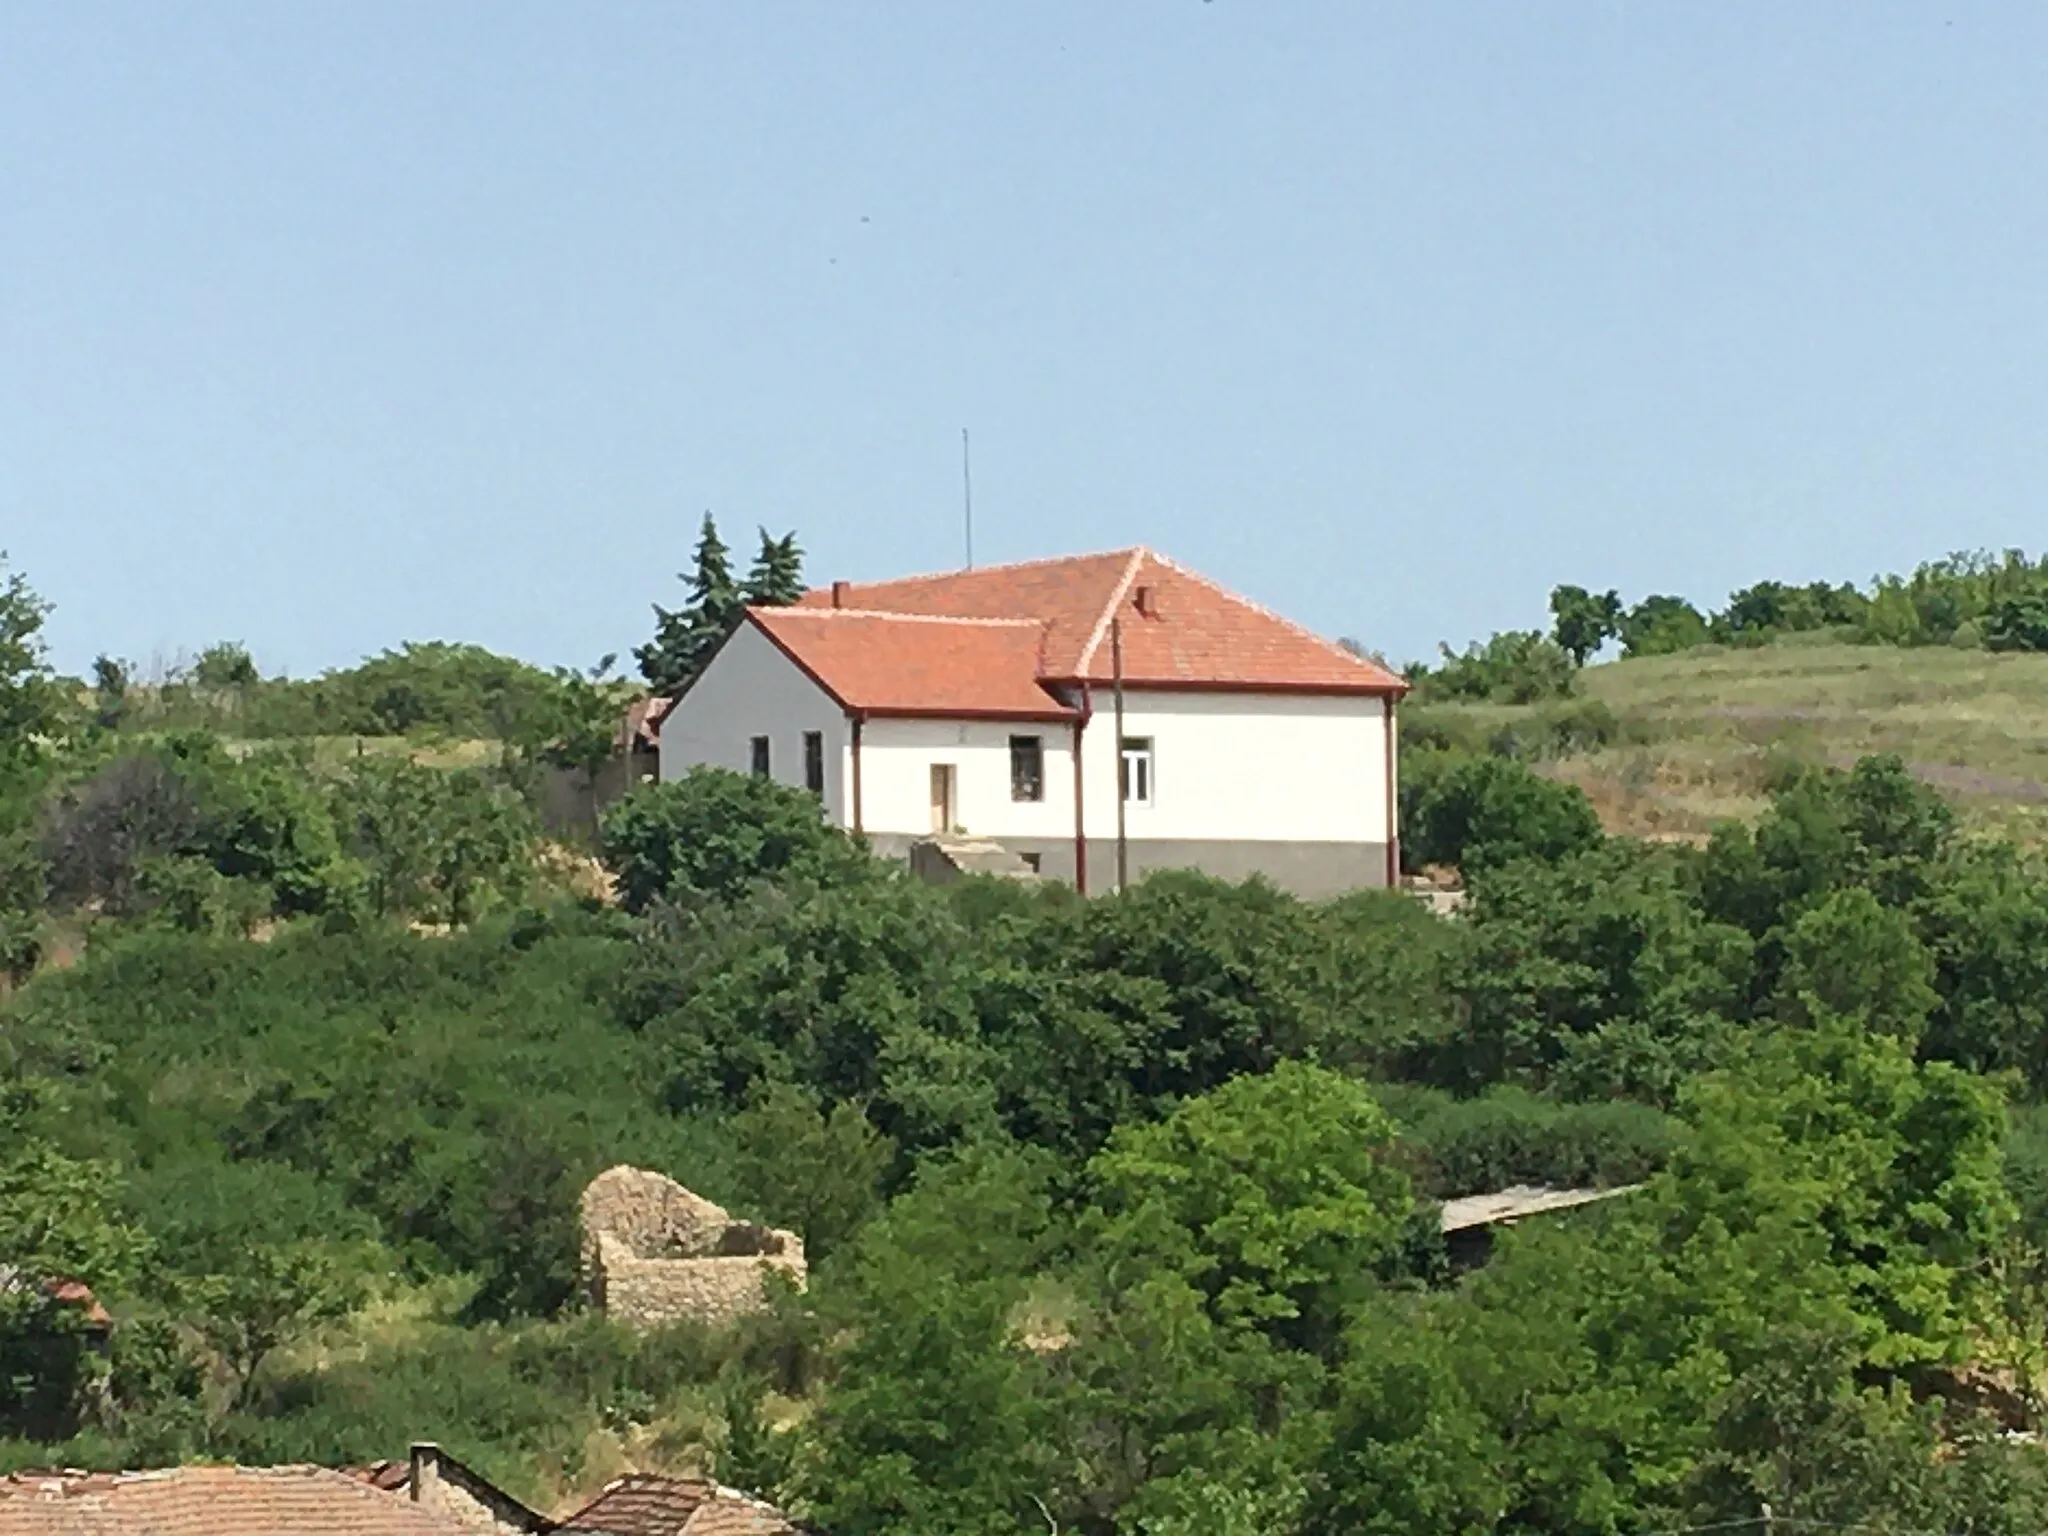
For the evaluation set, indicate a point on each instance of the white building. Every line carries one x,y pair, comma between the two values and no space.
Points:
985,702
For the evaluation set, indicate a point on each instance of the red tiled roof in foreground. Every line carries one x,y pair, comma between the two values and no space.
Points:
643,1504
909,664
211,1501
1180,630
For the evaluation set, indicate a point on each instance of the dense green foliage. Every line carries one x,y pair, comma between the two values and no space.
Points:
1122,1213
1974,600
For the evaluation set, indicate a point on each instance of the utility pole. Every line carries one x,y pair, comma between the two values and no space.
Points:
967,494
1123,767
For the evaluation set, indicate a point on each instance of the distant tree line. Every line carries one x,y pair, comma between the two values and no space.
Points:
1978,600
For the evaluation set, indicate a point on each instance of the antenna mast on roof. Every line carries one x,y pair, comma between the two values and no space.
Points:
967,494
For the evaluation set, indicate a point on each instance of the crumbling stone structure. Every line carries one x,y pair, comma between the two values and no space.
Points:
655,1253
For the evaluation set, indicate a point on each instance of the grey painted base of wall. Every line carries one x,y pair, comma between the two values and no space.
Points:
1311,870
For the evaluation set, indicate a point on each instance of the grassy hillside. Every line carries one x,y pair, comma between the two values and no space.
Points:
1702,735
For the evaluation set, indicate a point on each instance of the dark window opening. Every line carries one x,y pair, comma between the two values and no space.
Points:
1031,861
760,745
814,762
1027,768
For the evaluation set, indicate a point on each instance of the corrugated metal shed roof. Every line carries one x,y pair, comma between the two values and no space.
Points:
1521,1200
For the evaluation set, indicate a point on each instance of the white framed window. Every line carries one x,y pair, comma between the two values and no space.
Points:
1027,767
1134,770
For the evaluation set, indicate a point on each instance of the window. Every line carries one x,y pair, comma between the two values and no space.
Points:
1027,768
1136,770
760,745
1031,861
814,762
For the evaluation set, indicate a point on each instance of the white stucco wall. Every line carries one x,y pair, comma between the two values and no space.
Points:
751,689
1227,767
896,763
1245,767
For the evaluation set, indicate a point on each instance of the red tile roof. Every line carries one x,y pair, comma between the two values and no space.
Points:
644,1504
211,1501
911,664
1047,623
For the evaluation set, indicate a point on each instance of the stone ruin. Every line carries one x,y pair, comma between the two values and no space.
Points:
655,1253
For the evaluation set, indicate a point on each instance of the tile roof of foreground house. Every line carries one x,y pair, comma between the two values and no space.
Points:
644,1504
1047,622
210,1501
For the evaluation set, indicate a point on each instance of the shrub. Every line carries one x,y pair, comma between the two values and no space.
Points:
714,832
1511,1137
2019,623
1514,667
1476,811
1660,626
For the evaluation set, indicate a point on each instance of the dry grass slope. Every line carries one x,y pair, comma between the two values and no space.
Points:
1706,732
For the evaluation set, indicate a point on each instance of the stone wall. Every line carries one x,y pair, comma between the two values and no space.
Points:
655,1253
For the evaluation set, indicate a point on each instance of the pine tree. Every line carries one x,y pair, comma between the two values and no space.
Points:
684,638
777,577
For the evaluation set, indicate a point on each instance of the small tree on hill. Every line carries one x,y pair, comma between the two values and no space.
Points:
1585,621
224,666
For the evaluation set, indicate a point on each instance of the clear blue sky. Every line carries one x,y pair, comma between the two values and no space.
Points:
329,324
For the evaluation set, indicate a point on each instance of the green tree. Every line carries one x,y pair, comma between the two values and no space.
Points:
1874,827
685,638
31,702
753,1458
1584,621
1849,955
713,832
436,844
1985,922
271,1295
2019,622
575,726
777,575
225,665
814,1171
1662,625
1269,1200
1480,812
1227,1246
110,684
59,1222
1598,973
935,1423
1408,1450
1897,1163
1514,667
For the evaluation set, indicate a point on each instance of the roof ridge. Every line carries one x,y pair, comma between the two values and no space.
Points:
1277,617
808,611
1116,600
1007,565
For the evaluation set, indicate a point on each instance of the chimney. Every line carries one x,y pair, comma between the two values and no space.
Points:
839,589
1143,600
423,1480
